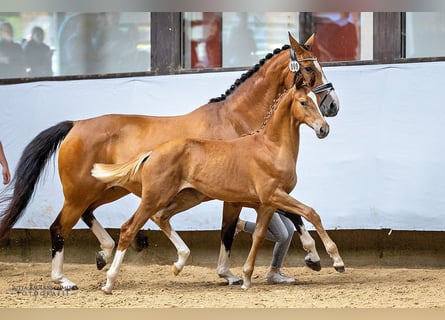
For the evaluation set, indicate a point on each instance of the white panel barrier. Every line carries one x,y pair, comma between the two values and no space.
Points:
382,166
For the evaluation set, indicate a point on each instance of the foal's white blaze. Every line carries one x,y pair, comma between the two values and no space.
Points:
314,99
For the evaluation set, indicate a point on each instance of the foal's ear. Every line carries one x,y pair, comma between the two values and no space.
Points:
295,45
310,42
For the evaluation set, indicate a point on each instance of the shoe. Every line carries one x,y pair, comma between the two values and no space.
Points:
278,277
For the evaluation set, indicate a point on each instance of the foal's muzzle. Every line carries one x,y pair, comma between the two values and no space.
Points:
321,129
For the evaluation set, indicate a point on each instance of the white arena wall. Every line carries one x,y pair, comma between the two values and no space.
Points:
382,166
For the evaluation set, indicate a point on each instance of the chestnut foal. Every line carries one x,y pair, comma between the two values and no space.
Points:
257,170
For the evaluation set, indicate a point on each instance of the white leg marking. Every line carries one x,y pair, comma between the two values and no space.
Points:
106,242
309,245
223,268
57,273
113,271
182,250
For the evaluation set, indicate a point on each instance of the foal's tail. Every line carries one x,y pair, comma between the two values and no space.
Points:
118,174
29,169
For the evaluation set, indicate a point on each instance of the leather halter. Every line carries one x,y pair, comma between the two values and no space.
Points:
294,64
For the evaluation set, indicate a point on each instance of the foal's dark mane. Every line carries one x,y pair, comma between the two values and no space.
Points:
248,74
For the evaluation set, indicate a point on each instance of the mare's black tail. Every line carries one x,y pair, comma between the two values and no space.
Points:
29,169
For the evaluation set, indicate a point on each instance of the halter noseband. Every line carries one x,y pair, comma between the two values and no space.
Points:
328,87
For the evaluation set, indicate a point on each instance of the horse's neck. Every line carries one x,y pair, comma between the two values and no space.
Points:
249,103
282,130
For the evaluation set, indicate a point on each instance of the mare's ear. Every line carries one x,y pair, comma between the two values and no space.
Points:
310,41
295,45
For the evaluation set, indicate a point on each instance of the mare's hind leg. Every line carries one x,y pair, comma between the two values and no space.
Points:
230,218
105,240
60,229
312,259
285,201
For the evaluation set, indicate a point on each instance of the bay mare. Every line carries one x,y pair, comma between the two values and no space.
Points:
258,171
118,138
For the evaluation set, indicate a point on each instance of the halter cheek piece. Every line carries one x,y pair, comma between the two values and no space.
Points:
294,66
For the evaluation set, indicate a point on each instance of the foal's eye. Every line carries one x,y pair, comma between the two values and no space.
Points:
303,103
309,69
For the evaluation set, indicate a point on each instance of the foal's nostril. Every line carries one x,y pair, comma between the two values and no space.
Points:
332,107
323,131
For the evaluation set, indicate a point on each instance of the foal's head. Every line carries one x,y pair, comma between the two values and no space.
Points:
305,110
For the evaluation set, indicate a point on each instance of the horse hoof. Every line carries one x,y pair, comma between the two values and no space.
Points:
340,269
106,291
175,270
316,266
236,282
100,261
70,288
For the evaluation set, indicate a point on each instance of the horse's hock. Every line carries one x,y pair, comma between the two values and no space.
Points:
357,247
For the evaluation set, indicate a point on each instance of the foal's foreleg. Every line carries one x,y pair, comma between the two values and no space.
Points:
284,201
228,228
128,232
312,259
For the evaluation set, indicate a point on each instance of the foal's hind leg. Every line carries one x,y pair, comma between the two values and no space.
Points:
186,199
230,218
312,259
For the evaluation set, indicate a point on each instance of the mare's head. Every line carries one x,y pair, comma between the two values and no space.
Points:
305,110
304,62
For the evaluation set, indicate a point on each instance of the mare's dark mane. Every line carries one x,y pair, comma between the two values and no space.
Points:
248,74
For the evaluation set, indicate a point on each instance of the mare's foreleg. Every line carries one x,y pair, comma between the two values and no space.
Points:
228,228
264,214
284,201
312,259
